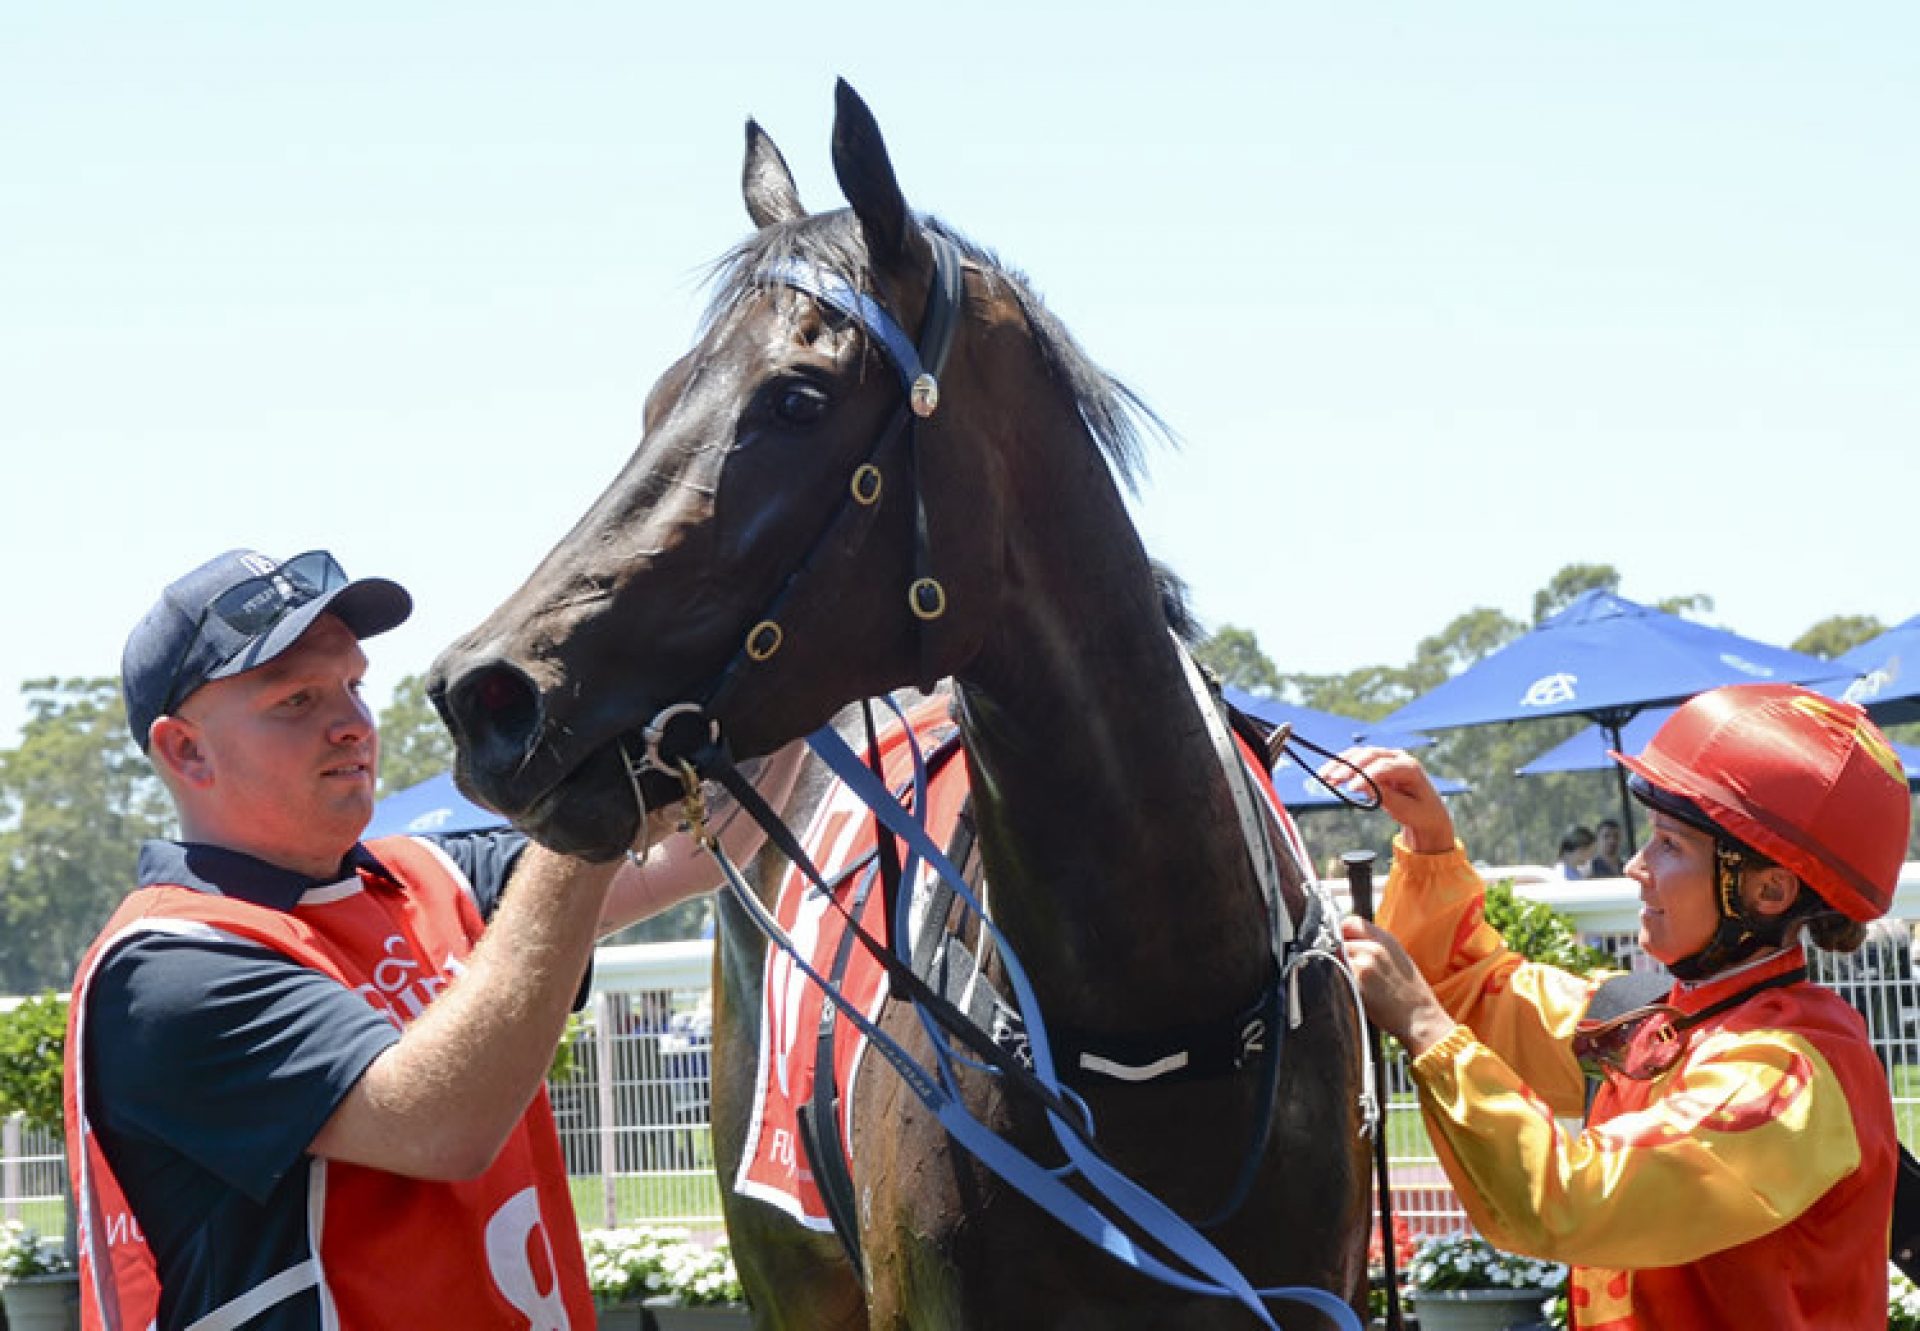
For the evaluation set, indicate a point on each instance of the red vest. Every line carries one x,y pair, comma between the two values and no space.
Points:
501,1250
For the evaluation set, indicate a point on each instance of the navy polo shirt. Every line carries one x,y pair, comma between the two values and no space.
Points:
210,1066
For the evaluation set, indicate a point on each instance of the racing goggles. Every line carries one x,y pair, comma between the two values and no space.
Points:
1645,1042
1638,1045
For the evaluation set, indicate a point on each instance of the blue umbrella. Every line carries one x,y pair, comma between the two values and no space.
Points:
1587,751
1606,658
434,805
1886,674
1298,789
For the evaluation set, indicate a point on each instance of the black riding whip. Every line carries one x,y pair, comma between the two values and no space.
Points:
1359,864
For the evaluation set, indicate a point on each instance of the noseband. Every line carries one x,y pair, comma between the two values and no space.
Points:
687,734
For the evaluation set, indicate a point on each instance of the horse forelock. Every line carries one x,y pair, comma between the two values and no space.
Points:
1115,417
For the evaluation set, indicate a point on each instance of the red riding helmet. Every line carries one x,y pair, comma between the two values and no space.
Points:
1805,780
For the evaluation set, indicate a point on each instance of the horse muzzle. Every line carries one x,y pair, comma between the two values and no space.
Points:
578,804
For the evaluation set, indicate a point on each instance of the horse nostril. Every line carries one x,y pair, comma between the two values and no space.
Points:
497,710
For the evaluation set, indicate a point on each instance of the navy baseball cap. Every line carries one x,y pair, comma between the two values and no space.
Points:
237,611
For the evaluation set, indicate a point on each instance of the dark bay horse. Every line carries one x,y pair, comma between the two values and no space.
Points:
727,564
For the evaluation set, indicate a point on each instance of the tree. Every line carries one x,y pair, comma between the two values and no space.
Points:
1367,693
1837,634
1466,640
1234,655
1697,604
33,1044
76,800
414,745
1564,587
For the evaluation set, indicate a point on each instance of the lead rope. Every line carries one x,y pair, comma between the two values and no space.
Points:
1214,1274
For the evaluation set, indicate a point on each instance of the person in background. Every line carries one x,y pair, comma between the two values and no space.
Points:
1576,852
304,1073
1606,861
1737,1164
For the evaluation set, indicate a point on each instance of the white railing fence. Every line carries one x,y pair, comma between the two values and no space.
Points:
632,1109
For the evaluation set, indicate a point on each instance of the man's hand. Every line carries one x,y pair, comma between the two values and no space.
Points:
670,866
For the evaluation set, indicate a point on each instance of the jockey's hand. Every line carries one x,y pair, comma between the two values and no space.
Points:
1398,999
1406,793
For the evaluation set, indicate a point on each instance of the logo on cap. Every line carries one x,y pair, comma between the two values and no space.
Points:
1839,718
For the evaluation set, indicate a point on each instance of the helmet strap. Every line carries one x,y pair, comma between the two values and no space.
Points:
1741,934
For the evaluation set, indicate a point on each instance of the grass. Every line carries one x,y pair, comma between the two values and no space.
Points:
688,1197
1906,1104
48,1218
648,1199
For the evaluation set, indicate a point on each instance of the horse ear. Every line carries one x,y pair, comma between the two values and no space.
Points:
866,177
767,183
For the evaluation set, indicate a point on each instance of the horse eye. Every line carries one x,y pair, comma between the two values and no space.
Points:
799,403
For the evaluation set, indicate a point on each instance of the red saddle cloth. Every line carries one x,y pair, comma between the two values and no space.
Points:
774,1168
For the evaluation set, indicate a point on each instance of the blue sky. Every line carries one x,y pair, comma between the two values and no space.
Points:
1437,298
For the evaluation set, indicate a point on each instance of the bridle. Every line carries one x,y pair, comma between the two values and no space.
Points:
688,733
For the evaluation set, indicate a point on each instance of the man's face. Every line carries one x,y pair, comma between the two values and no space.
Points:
1678,906
291,753
1608,838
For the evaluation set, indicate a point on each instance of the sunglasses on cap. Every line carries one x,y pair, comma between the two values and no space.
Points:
1646,1042
254,605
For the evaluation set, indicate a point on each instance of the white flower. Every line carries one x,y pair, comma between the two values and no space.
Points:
1467,1261
1903,1301
627,1264
25,1252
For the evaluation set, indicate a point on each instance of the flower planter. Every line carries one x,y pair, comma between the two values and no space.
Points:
670,1315
43,1303
1480,1309
621,1315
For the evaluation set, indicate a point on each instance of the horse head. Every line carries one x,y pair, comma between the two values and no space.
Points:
756,554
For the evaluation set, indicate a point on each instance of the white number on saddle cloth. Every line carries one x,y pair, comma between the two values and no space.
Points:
511,1235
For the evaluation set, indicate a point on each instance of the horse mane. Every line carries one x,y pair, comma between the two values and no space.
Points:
1116,419
1176,602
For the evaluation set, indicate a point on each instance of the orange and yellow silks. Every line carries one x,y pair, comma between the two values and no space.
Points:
1750,1185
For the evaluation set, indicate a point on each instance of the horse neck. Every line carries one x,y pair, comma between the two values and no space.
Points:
1117,865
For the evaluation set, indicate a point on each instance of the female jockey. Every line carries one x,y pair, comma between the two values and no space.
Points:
1737,1164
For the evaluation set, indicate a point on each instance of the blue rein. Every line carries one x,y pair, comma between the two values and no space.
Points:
1208,1271
1215,1273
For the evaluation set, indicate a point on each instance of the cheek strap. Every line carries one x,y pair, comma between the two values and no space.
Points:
1741,934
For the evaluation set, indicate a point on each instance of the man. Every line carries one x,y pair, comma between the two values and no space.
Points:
1605,863
305,1075
1738,1165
